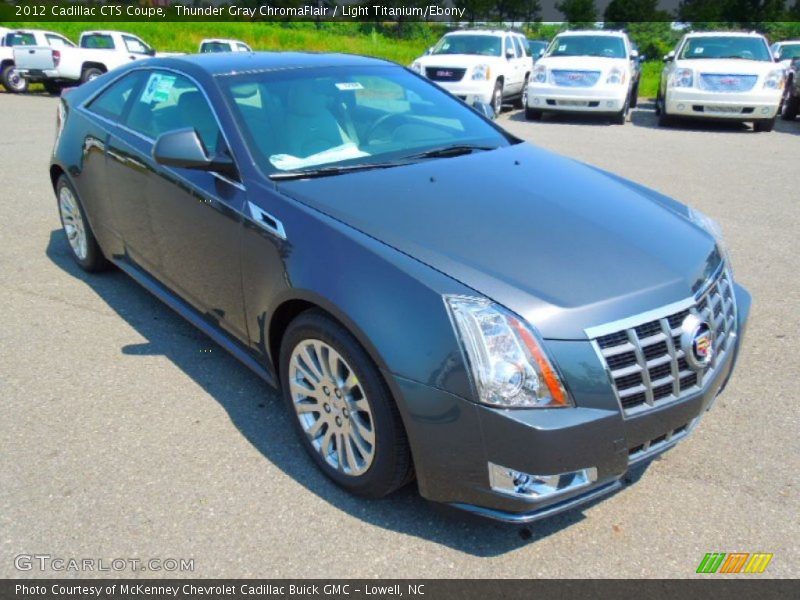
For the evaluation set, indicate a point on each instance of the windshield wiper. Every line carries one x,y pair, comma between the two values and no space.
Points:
330,171
452,150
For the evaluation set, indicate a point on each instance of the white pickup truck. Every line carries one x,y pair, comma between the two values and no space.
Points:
9,39
98,53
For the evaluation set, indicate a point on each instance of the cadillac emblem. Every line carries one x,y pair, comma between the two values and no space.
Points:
697,342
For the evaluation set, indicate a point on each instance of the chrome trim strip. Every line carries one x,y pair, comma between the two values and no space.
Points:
645,317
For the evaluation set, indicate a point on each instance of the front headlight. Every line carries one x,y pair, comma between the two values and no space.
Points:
540,74
712,227
616,76
481,73
774,80
416,66
508,363
681,78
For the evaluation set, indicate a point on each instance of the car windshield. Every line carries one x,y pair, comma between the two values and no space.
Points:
296,119
536,46
483,45
606,46
790,51
215,47
720,46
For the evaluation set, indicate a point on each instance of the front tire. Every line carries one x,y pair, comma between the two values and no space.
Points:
622,116
764,126
497,97
791,107
635,95
342,409
664,120
82,243
13,81
533,114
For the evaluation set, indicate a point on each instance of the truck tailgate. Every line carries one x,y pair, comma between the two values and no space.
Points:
33,58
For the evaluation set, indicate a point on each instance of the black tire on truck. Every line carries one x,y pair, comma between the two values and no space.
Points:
90,73
53,88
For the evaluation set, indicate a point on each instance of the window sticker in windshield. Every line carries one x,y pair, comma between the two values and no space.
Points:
698,50
158,88
562,47
349,85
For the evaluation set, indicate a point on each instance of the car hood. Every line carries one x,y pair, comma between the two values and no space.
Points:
725,66
583,63
562,244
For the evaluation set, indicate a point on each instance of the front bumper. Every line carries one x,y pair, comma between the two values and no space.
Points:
747,106
468,90
600,98
454,440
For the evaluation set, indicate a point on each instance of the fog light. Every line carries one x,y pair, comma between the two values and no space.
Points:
765,110
536,101
536,487
610,103
681,106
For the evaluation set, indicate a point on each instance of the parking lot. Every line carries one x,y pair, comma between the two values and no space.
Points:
125,433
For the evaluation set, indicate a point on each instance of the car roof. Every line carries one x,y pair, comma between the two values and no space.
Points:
724,34
221,41
225,63
106,32
599,32
484,32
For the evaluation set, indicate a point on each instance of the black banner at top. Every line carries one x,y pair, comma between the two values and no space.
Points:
450,11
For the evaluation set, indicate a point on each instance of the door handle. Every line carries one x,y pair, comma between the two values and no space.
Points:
266,221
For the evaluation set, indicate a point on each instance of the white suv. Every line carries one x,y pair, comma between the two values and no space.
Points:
585,71
479,65
721,75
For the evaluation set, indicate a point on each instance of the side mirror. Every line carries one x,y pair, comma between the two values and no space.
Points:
777,56
669,56
429,50
541,52
634,54
183,148
482,108
150,52
510,53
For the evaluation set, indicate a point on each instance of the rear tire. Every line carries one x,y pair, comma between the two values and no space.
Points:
764,126
338,399
90,73
80,237
13,81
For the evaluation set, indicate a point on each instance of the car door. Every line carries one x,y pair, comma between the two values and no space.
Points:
522,61
194,217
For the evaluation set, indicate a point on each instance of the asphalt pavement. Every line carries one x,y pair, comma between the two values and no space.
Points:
127,434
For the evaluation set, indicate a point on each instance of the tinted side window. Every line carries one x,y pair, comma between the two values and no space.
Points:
243,48
20,39
518,48
57,41
97,40
112,102
168,101
134,45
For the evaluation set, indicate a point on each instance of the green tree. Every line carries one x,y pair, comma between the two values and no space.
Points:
634,11
578,12
476,10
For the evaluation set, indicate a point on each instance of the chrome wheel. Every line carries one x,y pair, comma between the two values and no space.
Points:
332,407
16,81
73,222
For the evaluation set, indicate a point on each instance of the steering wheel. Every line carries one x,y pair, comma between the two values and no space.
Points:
380,122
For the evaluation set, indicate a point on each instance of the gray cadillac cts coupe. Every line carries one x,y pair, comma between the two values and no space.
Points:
436,299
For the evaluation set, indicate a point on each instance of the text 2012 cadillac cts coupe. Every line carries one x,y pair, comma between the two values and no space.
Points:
435,298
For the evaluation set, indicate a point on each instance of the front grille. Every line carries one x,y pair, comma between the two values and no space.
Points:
645,361
575,78
444,73
714,82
